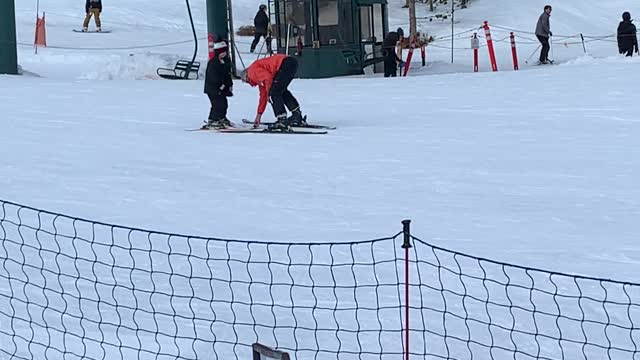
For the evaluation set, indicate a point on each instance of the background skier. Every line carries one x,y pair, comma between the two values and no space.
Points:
263,29
391,59
543,33
92,7
627,38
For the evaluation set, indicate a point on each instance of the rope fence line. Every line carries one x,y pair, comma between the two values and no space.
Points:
527,40
127,47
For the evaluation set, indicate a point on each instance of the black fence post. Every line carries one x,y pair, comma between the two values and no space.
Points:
406,230
583,47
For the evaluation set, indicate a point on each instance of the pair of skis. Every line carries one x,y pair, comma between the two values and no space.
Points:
310,129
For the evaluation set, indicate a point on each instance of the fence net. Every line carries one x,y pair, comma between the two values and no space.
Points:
72,288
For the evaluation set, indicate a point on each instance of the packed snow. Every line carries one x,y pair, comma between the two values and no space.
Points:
537,167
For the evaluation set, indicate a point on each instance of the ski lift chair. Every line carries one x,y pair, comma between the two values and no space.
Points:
181,71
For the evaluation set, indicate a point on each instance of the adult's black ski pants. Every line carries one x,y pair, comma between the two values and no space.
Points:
544,53
279,95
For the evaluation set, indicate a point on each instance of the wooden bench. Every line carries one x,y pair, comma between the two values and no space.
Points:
180,70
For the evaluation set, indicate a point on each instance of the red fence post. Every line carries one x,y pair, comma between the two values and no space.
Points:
492,54
408,62
514,52
475,44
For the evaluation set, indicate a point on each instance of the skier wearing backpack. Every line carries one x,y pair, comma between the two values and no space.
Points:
627,38
391,59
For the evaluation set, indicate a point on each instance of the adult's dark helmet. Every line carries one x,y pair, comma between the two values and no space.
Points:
400,31
626,16
263,7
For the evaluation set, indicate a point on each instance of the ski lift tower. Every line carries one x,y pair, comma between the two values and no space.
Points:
8,50
220,26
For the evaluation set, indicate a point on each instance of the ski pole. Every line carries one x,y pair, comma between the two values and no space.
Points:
260,51
530,56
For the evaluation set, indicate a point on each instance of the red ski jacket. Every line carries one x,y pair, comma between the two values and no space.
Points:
261,73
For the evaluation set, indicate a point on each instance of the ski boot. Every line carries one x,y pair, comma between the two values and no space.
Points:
84,29
226,123
98,29
281,124
297,120
216,124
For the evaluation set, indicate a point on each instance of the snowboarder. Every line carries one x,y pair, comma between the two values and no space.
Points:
262,29
92,7
627,39
218,85
273,75
543,33
391,59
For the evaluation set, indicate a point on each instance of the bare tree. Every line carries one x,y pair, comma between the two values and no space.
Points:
413,28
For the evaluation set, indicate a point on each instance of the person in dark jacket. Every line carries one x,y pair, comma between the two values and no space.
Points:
92,7
543,33
263,29
391,59
218,85
627,39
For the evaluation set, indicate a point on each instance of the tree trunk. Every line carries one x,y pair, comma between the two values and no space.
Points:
412,21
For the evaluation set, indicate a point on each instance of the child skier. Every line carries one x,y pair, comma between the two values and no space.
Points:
218,85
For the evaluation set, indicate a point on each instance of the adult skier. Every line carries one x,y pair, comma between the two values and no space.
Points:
263,29
627,39
92,8
391,59
543,33
273,75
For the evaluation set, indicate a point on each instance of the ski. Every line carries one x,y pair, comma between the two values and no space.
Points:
309,126
293,131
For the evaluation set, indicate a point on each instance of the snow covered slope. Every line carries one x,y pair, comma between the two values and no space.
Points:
145,34
538,167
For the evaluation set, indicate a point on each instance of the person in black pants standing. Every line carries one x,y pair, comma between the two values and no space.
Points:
543,33
391,59
627,38
263,29
218,85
